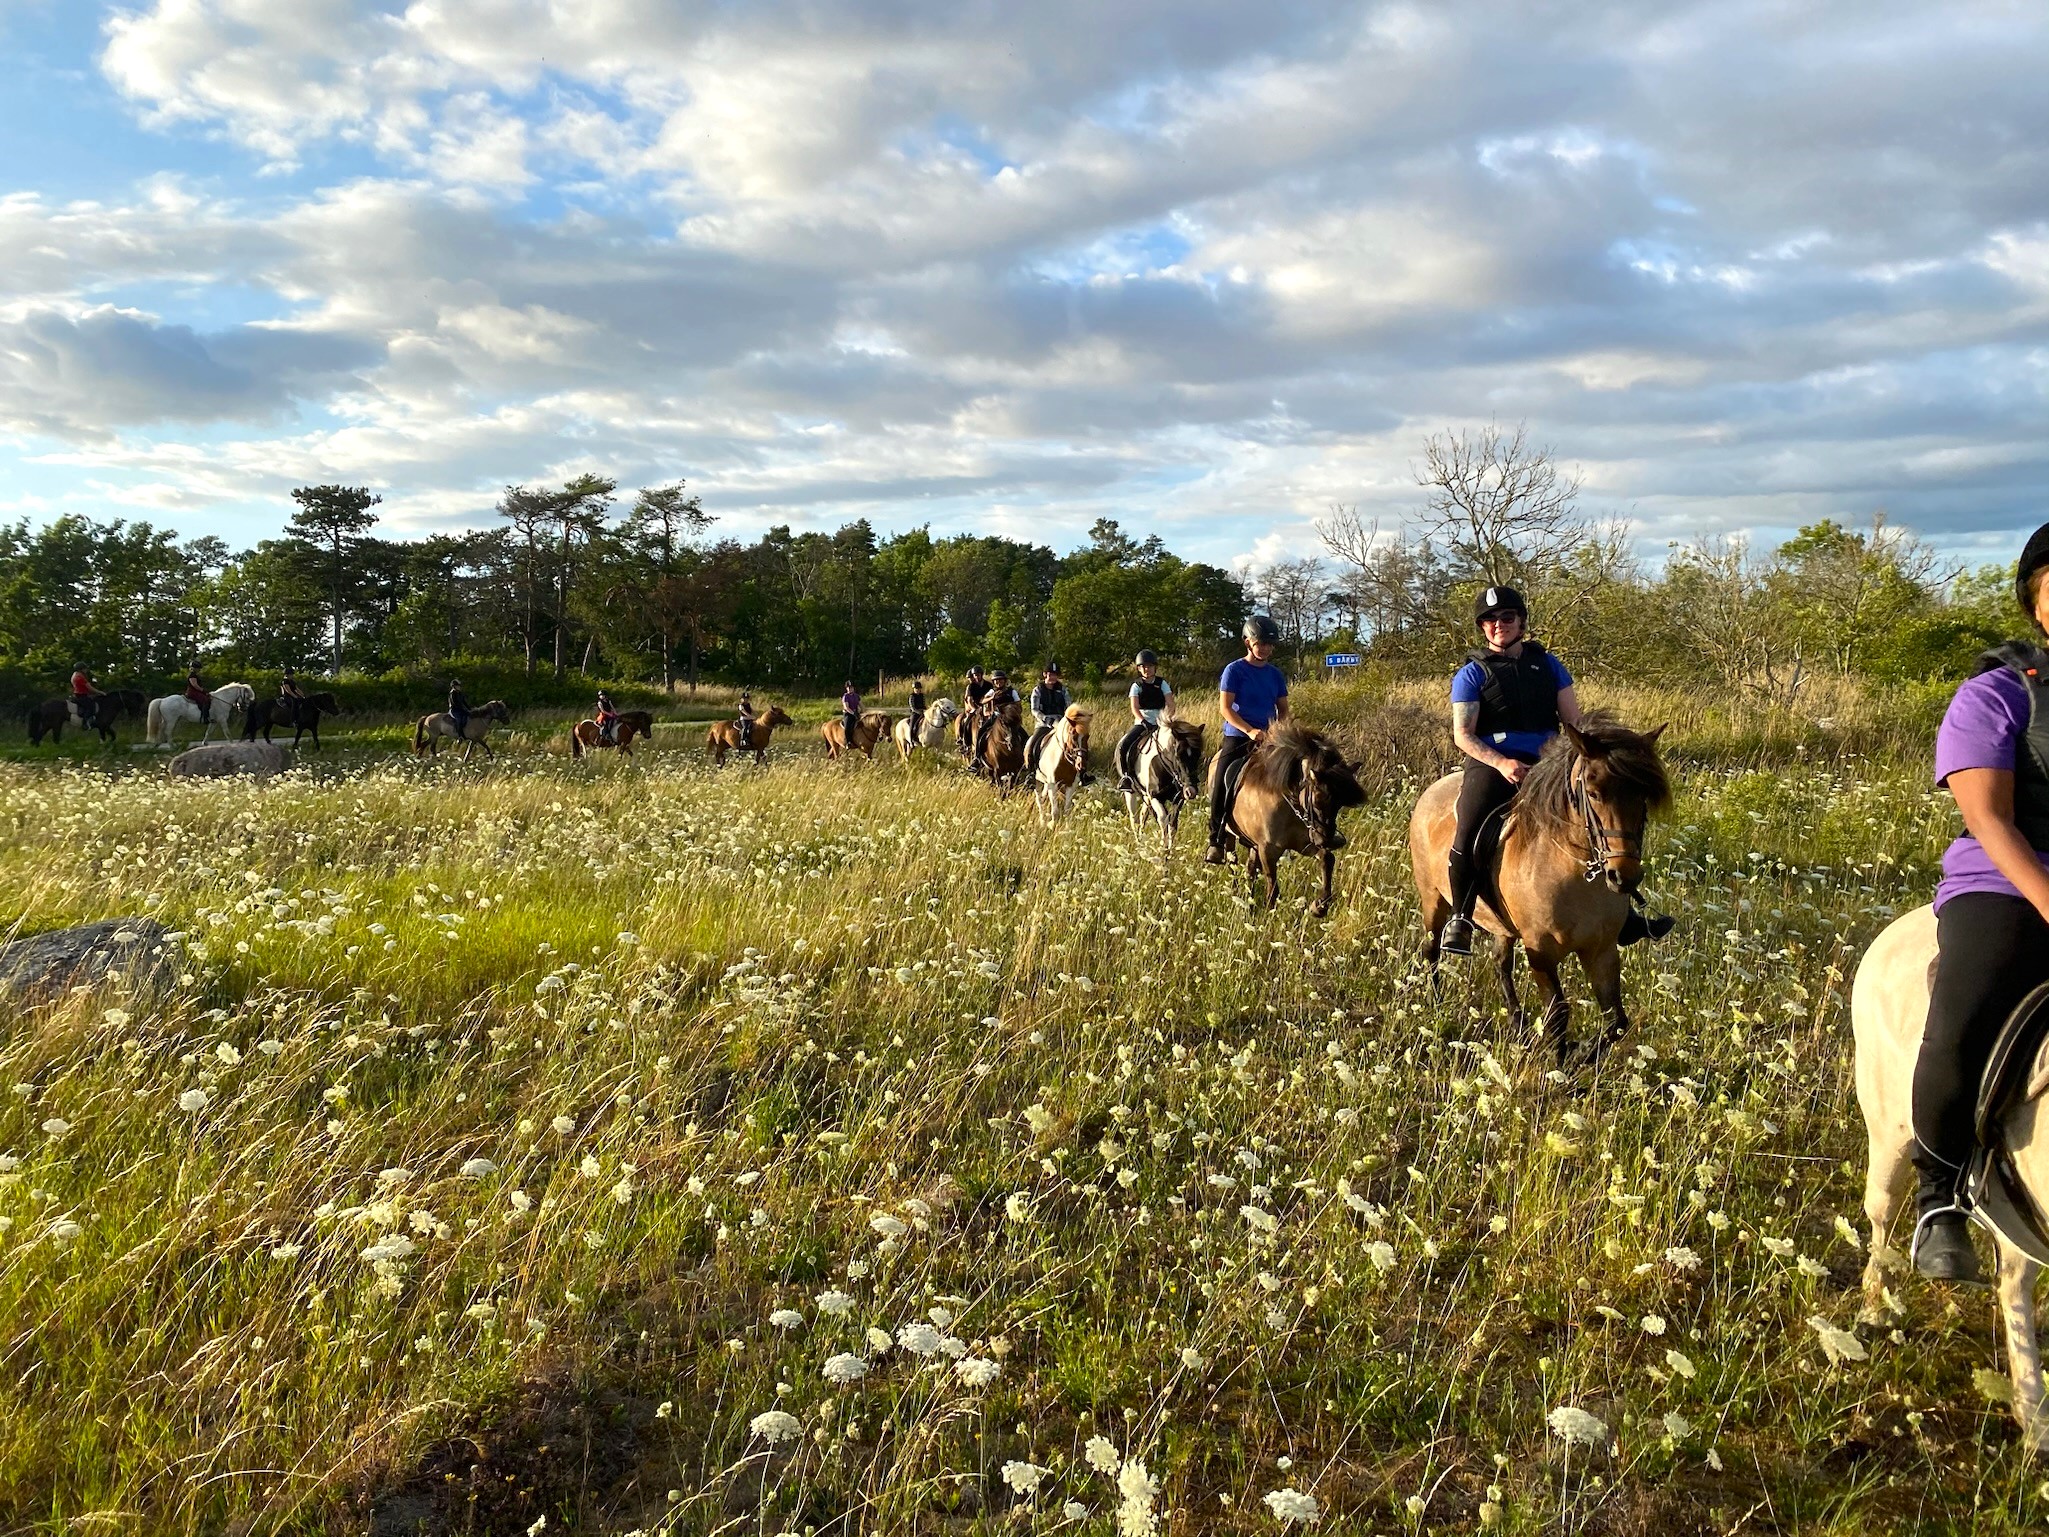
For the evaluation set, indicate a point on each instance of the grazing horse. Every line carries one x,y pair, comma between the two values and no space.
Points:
429,731
937,716
868,730
166,715
724,736
51,716
302,715
585,737
1888,1010
1166,766
1295,784
1063,757
1569,860
1003,749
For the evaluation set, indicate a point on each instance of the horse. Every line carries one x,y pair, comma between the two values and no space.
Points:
1888,1010
1294,785
1057,773
937,716
1003,749
302,715
724,736
1570,857
585,737
869,729
166,715
476,732
51,716
1166,764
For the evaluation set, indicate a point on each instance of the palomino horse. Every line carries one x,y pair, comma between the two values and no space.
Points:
1570,859
51,716
1888,1009
166,715
1003,749
585,737
427,734
1166,765
1295,784
724,736
869,729
937,715
302,715
1063,757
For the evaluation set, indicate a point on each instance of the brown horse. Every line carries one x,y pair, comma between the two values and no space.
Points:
1295,784
1570,860
871,728
1003,749
724,736
584,735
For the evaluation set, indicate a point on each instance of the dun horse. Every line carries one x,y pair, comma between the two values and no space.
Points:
937,715
429,731
1570,857
1063,757
585,737
1295,784
868,730
724,736
1166,765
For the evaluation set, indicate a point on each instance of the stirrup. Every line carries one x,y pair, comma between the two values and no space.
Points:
1967,1270
1456,937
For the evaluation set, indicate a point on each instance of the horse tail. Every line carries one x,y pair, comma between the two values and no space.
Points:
156,720
576,739
420,734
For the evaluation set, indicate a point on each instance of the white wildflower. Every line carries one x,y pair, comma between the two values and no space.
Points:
774,1426
562,1125
976,1371
888,1226
1681,1363
56,1126
879,1340
835,1304
1576,1427
1018,1206
786,1318
192,1101
921,1339
1839,1345
478,1168
1024,1477
1653,1324
1291,1507
1101,1455
844,1368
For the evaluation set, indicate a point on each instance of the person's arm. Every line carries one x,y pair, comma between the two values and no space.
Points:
1137,715
1228,704
1568,706
1465,724
1985,797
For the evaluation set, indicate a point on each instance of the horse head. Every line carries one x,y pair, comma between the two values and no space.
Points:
1606,783
1317,782
496,710
1077,745
1177,747
775,716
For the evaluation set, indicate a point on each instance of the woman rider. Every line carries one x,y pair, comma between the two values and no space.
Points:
458,708
916,706
1149,699
1048,705
1252,695
744,719
85,697
1991,907
608,718
196,691
999,696
1506,703
850,715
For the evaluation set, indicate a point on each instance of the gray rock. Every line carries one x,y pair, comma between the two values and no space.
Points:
137,951
217,760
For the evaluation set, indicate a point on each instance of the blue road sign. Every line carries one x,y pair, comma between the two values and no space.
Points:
1342,659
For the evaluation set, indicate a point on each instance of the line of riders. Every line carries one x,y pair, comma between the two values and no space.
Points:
89,707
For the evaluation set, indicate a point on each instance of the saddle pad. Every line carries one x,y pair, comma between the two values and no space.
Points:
2011,1063
1229,788
1992,1195
1487,857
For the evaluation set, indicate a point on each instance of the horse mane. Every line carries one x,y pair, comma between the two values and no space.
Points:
1545,796
1185,731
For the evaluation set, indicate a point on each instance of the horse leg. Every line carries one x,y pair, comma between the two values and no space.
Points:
2017,1277
1504,967
1321,905
1888,1174
1557,1012
1604,972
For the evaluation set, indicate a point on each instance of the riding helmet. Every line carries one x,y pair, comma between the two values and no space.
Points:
975,671
1148,658
1261,631
1499,600
2034,556
1053,668
1000,673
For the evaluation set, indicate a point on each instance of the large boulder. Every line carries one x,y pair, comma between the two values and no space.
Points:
218,760
137,951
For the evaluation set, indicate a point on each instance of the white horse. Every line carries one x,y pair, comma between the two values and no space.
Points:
1888,1007
1061,759
1166,764
167,714
938,715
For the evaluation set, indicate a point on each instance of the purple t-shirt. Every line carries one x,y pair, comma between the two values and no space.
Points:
1982,728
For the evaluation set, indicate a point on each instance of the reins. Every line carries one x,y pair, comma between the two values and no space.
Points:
1603,842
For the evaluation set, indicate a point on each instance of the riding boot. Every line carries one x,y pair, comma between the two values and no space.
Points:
1942,1246
1638,927
1456,938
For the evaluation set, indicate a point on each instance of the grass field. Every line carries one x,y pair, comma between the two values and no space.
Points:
830,1149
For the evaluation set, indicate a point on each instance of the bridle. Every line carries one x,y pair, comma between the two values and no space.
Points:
1170,754
1604,843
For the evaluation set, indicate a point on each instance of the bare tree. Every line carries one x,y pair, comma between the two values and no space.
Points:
1498,504
1392,585
1295,593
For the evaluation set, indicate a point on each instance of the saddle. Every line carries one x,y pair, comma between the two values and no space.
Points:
1487,856
1991,1193
1227,787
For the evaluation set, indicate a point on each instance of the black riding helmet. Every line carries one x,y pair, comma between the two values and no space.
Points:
1000,673
1148,658
2034,556
1259,630
1499,600
1052,667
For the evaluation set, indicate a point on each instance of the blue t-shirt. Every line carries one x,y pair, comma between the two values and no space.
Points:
1465,689
1254,691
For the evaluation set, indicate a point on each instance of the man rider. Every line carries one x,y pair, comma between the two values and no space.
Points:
850,716
85,698
1048,706
746,721
608,718
916,705
994,701
1253,696
1991,908
458,707
1149,698
976,689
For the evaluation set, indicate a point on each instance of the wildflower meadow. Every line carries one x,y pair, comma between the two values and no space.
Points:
613,1147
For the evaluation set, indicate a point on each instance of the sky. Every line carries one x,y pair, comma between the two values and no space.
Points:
1208,267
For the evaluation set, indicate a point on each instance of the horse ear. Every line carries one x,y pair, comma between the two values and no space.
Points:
1582,744
1651,736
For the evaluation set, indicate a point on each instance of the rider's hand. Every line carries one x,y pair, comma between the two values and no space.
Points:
1258,734
1512,769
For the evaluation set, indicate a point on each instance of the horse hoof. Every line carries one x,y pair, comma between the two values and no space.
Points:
1319,909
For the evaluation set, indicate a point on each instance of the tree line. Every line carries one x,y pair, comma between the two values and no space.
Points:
577,580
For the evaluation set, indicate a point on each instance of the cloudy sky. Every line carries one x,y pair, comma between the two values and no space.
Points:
1207,266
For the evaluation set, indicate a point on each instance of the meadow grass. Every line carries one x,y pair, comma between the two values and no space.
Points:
524,1141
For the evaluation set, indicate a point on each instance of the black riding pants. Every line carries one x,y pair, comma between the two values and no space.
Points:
1994,952
849,724
1481,790
1234,748
1127,747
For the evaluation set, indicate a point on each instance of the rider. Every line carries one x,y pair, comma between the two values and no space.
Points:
999,696
976,689
1253,696
1506,703
289,692
850,716
85,698
1048,706
196,690
458,708
608,718
1991,907
1150,696
916,705
745,720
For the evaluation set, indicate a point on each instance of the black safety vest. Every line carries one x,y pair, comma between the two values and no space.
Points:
1049,701
1518,693
2029,663
978,689
1150,696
